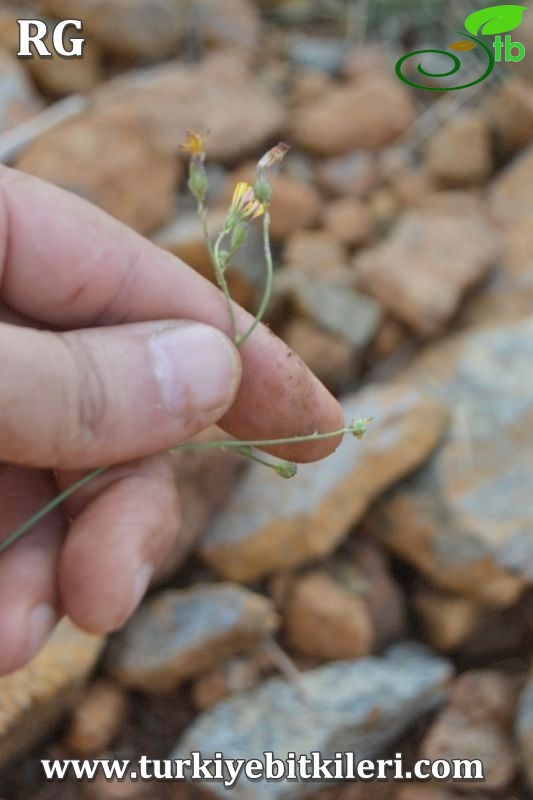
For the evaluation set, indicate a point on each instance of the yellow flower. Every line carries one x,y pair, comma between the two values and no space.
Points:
244,207
195,145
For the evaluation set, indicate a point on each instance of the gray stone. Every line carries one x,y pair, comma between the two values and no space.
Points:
179,633
466,520
524,730
357,706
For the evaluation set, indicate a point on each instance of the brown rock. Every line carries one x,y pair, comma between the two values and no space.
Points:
318,254
55,76
460,153
350,221
295,204
131,28
219,95
96,720
180,633
425,267
411,187
325,620
390,337
236,675
367,114
109,160
509,109
475,725
464,520
18,99
510,197
447,620
365,569
35,698
354,174
269,524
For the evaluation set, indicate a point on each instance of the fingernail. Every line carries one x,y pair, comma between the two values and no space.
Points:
141,582
42,620
196,368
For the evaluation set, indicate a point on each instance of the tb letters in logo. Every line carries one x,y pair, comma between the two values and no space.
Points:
34,39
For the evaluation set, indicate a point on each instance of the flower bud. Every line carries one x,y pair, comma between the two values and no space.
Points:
262,188
359,427
239,236
286,469
197,180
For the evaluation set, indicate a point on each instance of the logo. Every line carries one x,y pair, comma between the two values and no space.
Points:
492,21
33,32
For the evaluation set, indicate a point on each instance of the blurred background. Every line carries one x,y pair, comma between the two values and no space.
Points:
382,600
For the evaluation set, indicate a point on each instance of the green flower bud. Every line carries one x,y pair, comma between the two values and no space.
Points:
359,427
286,469
239,236
262,188
197,180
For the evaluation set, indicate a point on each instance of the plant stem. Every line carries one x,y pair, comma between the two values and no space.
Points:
235,444
222,282
267,294
53,504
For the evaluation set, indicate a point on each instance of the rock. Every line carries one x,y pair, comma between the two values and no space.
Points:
219,95
338,309
234,24
97,720
509,197
18,99
331,357
364,59
236,675
318,254
351,175
464,521
295,204
179,633
426,266
318,53
361,705
35,698
109,160
128,28
475,725
365,114
204,479
54,76
509,109
391,336
447,620
364,569
270,524
460,153
325,620
350,221
412,187
184,237
524,730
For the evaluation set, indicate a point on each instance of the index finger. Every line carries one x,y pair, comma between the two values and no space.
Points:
67,264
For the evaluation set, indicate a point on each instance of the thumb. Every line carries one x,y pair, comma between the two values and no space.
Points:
102,396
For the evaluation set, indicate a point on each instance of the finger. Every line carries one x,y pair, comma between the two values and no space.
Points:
107,395
85,268
29,600
125,523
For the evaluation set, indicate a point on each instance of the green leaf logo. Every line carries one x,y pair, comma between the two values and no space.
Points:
496,19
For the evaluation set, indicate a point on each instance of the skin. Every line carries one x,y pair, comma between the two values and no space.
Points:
113,350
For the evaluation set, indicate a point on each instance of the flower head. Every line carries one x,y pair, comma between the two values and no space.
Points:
244,207
195,145
359,427
286,469
273,156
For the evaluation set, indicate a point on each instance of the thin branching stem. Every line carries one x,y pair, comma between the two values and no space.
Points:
222,282
267,294
235,444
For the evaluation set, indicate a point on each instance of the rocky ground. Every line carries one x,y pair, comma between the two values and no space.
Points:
384,596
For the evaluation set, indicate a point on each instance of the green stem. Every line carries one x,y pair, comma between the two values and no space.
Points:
235,444
222,282
267,294
53,504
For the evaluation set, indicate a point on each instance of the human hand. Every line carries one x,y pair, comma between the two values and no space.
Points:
113,350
